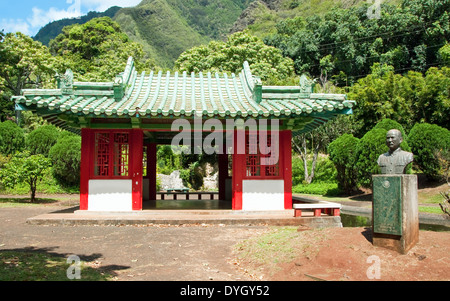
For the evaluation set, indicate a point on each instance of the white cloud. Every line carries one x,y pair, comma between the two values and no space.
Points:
102,5
41,17
15,25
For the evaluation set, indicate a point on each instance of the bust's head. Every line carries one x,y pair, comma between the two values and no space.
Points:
393,139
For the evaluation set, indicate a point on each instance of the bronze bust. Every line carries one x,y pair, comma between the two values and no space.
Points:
396,159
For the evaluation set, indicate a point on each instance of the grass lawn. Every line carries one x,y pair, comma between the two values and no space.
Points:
41,266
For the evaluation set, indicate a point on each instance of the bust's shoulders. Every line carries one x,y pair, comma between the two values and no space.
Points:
405,153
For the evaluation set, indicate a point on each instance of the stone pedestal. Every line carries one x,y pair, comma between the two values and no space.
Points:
395,213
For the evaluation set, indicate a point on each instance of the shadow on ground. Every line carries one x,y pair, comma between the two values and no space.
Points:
31,263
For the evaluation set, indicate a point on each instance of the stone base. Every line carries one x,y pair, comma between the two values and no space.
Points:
395,220
394,242
320,222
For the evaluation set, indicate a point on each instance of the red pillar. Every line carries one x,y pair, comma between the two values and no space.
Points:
87,149
286,157
238,175
151,170
136,147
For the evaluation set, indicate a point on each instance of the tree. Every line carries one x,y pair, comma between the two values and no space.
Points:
12,138
432,103
24,63
378,97
24,168
406,37
407,99
97,50
317,141
266,62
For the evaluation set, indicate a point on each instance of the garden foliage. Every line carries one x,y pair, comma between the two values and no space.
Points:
425,140
12,138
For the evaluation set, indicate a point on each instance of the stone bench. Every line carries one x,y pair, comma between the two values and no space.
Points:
185,191
318,207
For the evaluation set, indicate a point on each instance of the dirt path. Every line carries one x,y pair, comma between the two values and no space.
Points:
155,252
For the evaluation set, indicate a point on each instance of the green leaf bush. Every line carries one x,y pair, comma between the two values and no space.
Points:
65,156
342,153
41,140
425,139
12,138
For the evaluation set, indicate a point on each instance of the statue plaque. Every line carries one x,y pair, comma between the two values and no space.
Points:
387,205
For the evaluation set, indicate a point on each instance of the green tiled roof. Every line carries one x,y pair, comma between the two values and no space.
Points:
176,95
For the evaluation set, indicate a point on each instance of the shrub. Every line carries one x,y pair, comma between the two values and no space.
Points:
40,140
322,188
389,124
425,140
12,138
343,154
65,156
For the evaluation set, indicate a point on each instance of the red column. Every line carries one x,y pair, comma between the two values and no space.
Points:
151,170
87,149
238,175
136,147
286,163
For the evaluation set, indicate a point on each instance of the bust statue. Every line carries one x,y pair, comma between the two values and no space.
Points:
396,159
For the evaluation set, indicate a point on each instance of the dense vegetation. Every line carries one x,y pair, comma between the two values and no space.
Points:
53,29
396,67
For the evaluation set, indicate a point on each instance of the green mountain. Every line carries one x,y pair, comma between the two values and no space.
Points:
53,29
166,28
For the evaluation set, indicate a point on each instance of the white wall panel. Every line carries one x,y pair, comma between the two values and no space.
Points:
110,195
263,195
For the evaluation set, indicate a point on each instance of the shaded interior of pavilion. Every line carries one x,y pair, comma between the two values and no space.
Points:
202,199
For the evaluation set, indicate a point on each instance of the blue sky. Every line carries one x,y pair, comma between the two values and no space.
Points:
28,16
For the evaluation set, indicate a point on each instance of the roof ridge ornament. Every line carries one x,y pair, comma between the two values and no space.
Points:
306,86
65,82
254,83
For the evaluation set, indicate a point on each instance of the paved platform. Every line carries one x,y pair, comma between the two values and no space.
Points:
180,217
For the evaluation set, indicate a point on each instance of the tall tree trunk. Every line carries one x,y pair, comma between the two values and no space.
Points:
33,189
303,151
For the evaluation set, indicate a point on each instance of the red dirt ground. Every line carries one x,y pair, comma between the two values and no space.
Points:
344,254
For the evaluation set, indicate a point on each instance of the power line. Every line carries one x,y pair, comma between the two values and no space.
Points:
407,31
378,56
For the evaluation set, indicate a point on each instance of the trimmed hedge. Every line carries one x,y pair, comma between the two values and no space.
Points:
425,139
12,138
41,140
342,153
65,156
